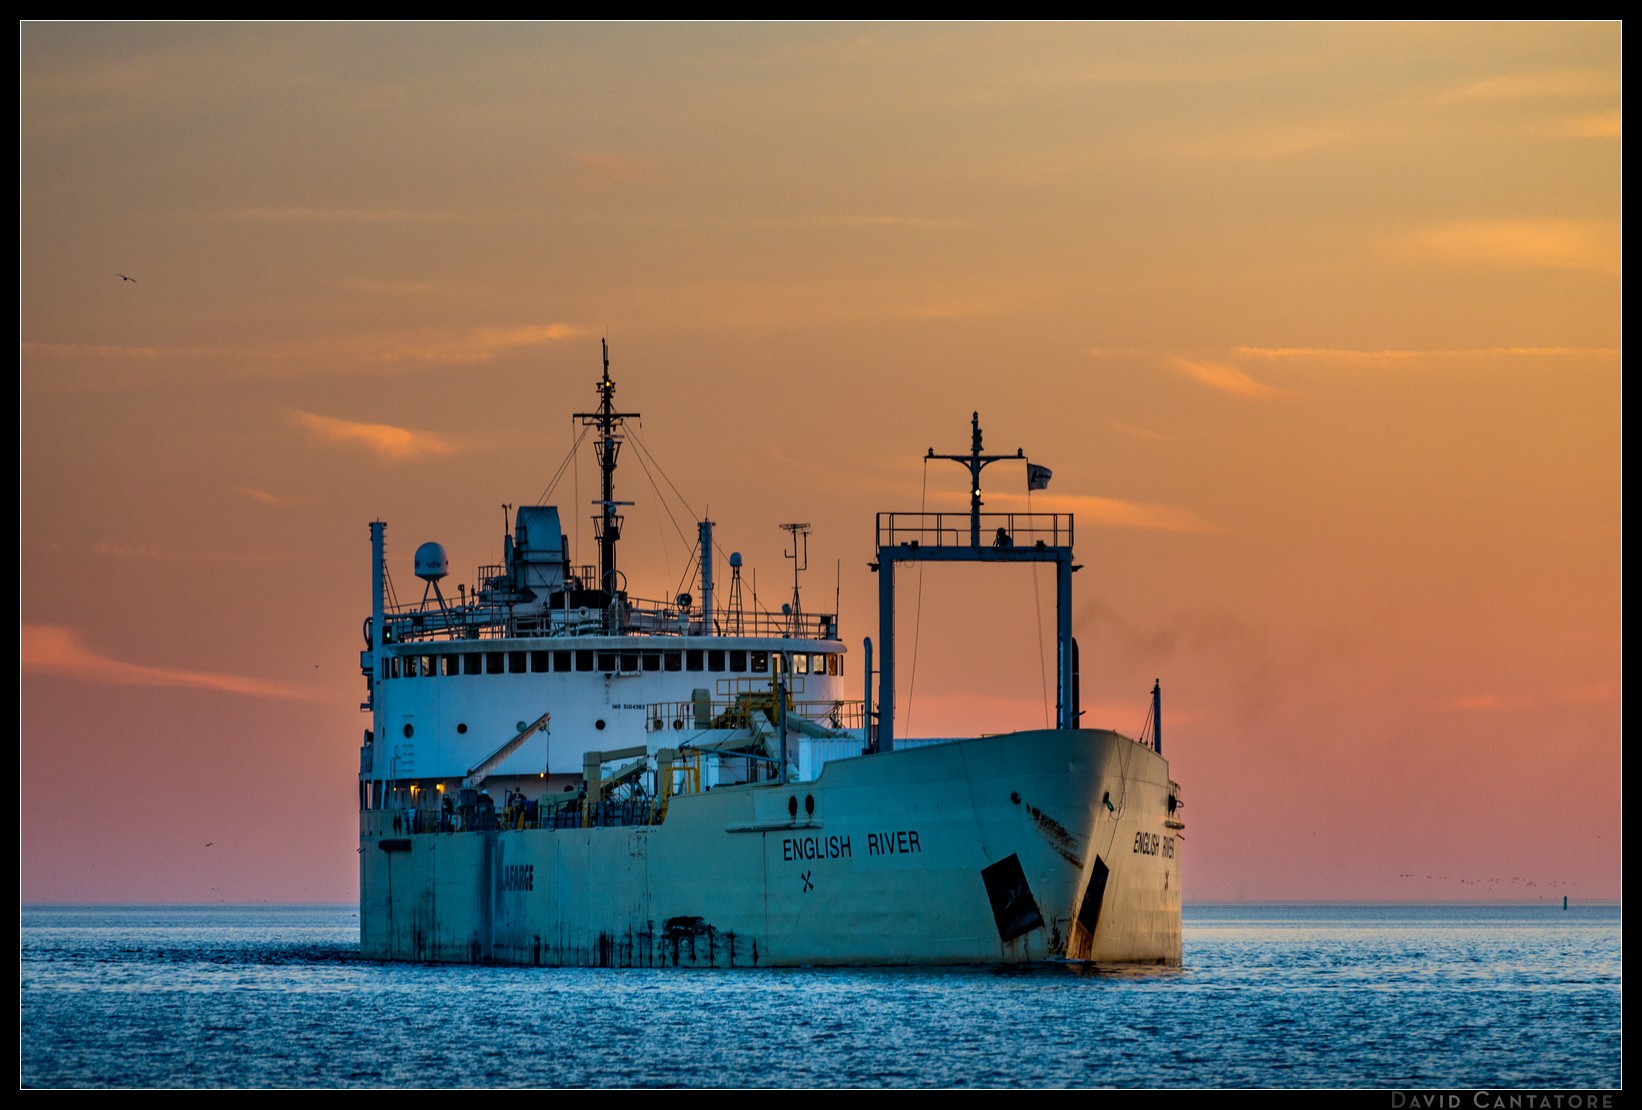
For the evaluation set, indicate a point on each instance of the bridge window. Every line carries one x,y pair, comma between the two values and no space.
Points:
561,660
450,664
672,661
715,660
472,662
607,661
515,662
738,661
538,662
761,662
584,660
629,660
652,660
693,659
801,664
493,662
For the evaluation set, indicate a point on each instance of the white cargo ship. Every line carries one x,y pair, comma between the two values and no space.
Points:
560,772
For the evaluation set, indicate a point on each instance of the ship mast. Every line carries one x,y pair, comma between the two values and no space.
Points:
607,523
975,461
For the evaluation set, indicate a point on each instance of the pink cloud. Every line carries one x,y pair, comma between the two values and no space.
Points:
385,440
1227,379
56,651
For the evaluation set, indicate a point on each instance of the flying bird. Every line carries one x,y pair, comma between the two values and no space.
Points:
123,277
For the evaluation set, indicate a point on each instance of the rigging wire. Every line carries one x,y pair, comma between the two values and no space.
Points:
390,598
682,500
661,501
1037,610
917,612
643,453
692,562
573,457
569,457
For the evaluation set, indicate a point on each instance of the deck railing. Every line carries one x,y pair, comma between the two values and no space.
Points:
491,621
959,530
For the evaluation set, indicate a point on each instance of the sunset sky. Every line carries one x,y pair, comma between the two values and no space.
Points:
1317,325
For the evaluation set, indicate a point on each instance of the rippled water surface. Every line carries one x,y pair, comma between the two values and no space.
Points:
1270,996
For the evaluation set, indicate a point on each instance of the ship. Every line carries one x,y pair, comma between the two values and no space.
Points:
562,772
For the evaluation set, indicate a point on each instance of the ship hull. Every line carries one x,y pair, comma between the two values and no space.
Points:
1023,847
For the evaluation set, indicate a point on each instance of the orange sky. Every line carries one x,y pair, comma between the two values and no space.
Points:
1318,327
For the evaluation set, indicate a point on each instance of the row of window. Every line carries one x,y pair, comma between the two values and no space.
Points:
608,662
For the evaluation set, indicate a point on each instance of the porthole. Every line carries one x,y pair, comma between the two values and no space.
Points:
461,730
410,730
599,724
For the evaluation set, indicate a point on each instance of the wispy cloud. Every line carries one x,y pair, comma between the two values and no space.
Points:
896,221
110,549
609,166
1224,377
1541,85
278,501
1345,354
761,305
738,220
1591,245
386,440
475,345
1596,125
1222,374
1593,693
1266,144
341,215
57,651
1139,433
392,288
332,354
1114,512
33,349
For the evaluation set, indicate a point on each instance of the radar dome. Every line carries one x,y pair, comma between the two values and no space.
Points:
735,558
431,563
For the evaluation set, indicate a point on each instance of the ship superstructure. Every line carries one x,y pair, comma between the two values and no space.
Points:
561,772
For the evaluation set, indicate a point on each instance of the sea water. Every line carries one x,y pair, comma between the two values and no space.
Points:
1293,996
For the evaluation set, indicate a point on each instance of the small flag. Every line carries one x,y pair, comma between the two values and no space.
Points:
1037,477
